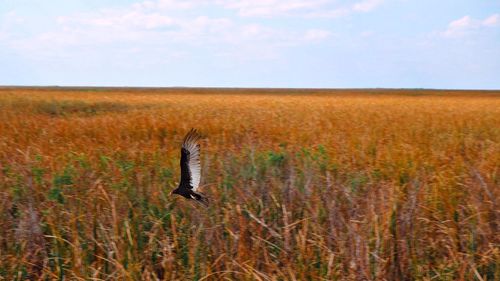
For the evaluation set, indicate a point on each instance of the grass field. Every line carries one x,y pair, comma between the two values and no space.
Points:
304,185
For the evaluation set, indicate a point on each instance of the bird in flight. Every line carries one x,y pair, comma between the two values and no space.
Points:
190,169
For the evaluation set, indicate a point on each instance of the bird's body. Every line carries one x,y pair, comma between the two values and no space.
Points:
190,169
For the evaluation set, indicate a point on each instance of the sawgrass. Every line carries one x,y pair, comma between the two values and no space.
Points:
304,185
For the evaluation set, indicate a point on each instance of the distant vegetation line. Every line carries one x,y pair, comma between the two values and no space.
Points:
250,90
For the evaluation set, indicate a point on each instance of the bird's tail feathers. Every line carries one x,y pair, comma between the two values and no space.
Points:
202,199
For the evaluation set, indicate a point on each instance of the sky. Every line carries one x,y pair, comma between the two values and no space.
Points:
445,44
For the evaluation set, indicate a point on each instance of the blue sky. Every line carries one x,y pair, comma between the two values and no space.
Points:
251,43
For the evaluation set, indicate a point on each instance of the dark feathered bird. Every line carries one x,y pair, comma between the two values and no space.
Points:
190,169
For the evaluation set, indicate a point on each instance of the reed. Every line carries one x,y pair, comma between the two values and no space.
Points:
319,185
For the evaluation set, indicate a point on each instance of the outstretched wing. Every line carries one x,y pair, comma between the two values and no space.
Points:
190,160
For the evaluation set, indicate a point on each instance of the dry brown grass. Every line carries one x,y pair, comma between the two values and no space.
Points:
339,185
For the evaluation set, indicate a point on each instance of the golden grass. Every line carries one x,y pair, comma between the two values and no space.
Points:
304,185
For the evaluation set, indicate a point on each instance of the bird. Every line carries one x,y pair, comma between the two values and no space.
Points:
190,169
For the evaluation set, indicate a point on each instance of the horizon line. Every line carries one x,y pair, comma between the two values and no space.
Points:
76,87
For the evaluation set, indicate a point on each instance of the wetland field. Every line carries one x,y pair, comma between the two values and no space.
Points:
303,184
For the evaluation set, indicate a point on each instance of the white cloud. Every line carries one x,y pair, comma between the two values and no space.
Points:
255,31
465,25
124,19
464,22
160,21
13,18
367,5
493,20
267,8
169,5
329,13
342,11
160,27
316,35
143,20
297,8
8,22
